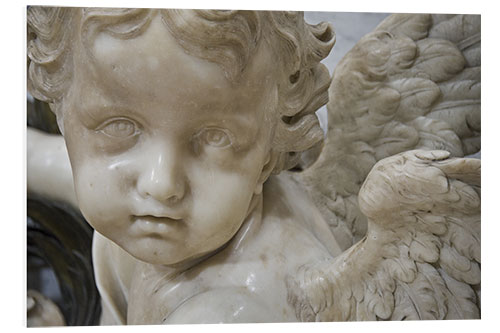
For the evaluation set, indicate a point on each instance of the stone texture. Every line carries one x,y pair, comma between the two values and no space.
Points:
179,143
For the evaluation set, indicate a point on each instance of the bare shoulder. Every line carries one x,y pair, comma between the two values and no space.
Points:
224,305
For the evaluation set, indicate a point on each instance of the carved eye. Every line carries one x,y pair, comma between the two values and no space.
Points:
215,137
119,128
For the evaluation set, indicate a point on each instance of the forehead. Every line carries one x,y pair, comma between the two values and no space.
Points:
153,64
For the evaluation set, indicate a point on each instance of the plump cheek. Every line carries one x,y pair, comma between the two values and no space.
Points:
219,208
99,199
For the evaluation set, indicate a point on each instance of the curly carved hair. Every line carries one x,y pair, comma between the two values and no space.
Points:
227,38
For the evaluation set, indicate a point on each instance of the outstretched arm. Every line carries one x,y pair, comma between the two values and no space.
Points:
48,167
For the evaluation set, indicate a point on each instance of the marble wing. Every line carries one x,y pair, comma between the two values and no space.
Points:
412,83
420,258
404,110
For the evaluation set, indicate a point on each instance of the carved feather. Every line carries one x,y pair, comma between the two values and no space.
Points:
420,258
412,83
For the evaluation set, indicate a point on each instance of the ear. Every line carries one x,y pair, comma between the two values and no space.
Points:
268,167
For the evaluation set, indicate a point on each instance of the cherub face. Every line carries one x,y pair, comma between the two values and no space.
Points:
166,152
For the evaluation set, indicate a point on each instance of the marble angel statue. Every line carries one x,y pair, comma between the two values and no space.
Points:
185,131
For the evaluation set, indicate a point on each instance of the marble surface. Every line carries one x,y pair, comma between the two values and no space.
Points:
179,139
349,28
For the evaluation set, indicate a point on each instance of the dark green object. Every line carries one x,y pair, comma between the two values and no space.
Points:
41,117
60,255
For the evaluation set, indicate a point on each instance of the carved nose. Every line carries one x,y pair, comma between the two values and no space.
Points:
161,179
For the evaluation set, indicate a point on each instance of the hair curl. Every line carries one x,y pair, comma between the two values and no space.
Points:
225,37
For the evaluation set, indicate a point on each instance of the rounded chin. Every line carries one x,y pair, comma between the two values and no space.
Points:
148,257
